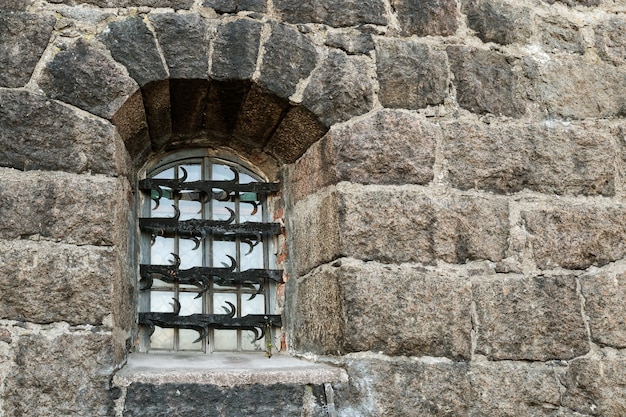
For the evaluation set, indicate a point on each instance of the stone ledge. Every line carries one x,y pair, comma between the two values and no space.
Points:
224,369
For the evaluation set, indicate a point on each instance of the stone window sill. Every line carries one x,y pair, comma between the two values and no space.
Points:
224,369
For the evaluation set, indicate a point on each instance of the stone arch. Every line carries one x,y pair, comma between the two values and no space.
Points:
170,80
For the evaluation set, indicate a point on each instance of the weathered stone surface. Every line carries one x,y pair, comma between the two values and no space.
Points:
394,224
499,22
156,100
573,3
576,88
511,389
234,6
411,75
44,282
427,17
604,291
38,133
404,387
77,73
486,81
335,13
388,147
467,228
62,375
85,210
610,40
549,157
188,105
184,41
597,385
340,89
132,44
24,37
536,319
351,41
576,236
560,35
174,4
391,309
289,57
313,229
295,134
132,126
197,400
235,50
260,114
15,5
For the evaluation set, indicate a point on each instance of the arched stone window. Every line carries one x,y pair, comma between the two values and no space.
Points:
208,270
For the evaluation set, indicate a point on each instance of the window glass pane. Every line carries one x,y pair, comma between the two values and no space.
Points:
162,339
225,340
250,212
194,172
253,306
165,203
245,178
189,209
186,339
189,304
249,344
161,301
161,251
253,259
219,302
223,210
166,174
222,173
190,257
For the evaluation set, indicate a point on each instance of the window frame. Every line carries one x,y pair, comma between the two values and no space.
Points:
271,248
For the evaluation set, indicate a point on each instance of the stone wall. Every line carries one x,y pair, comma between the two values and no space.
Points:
453,175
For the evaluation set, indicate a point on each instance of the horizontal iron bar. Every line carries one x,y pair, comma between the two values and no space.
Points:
257,323
159,226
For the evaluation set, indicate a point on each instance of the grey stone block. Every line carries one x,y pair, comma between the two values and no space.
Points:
388,147
145,400
289,57
596,385
295,134
132,44
353,306
394,225
340,89
84,210
62,375
533,319
235,50
610,40
38,133
549,157
498,21
333,13
44,282
573,87
174,4
485,81
605,291
75,75
561,35
411,75
351,42
24,37
511,389
234,6
184,41
427,17
404,387
576,236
